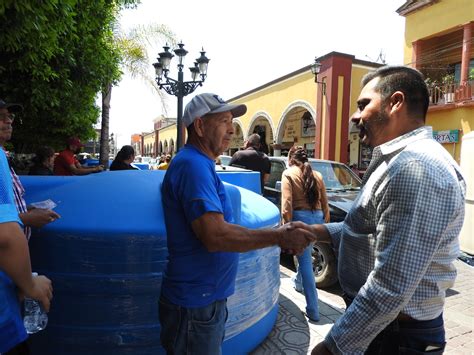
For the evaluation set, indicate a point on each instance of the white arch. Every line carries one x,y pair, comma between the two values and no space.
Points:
256,116
238,122
295,104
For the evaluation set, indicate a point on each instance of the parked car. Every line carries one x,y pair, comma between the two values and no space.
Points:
342,186
142,163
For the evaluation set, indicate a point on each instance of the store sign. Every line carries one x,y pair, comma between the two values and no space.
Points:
451,136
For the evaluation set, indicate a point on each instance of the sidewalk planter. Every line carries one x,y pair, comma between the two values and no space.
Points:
106,256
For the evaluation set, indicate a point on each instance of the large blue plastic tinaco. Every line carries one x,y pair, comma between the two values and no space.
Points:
107,253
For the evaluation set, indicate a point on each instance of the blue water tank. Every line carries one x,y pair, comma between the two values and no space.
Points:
106,256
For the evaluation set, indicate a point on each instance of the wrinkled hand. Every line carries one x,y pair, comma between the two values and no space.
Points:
99,168
38,217
42,291
321,349
294,240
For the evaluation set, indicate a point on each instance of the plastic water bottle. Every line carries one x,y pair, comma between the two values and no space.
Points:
35,318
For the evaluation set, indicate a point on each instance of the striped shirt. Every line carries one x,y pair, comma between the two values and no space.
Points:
398,242
18,193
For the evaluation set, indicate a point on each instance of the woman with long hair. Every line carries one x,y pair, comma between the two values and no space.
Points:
303,198
124,159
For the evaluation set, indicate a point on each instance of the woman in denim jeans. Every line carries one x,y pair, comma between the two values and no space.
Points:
303,198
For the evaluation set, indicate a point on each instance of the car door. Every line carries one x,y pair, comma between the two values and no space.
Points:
271,190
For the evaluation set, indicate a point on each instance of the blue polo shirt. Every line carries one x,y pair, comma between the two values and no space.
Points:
194,277
12,331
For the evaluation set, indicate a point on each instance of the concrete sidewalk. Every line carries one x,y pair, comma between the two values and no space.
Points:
294,334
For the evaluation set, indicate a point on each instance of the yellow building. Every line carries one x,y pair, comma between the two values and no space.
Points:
149,144
294,109
166,140
438,42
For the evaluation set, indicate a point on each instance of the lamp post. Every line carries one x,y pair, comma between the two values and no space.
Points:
315,69
179,87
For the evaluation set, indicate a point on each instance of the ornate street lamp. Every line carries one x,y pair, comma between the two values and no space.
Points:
180,88
315,69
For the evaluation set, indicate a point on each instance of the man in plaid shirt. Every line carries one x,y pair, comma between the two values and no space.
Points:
398,242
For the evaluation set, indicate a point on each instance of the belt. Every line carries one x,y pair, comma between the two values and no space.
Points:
405,318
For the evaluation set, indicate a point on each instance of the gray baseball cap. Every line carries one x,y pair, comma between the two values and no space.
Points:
11,107
203,104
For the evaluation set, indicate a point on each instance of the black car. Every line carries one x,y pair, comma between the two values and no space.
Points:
342,186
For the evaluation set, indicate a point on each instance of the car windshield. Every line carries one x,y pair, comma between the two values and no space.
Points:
336,176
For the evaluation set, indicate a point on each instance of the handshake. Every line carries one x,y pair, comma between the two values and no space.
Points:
295,237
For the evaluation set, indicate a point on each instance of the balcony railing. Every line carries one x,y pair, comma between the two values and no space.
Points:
442,94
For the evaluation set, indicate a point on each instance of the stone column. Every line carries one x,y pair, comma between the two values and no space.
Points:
276,150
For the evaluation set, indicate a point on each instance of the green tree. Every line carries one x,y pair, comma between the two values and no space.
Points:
131,48
55,58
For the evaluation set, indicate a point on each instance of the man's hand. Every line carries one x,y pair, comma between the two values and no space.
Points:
38,217
99,168
42,291
321,349
294,239
302,225
319,231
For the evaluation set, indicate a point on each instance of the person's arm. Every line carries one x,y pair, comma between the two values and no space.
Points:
322,232
218,235
267,171
83,170
409,233
323,198
15,262
38,217
286,199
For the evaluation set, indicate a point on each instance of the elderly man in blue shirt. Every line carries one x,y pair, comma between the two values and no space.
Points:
202,241
398,242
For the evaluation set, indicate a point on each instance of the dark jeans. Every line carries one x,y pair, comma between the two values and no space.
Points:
409,337
192,330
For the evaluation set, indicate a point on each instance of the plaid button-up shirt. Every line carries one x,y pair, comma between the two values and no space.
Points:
398,242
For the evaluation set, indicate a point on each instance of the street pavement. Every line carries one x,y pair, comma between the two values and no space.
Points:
294,334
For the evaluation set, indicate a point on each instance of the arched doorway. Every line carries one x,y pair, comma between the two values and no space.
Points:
166,147
297,126
261,124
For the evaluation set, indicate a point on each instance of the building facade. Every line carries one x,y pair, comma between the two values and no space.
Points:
157,142
438,42
294,109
